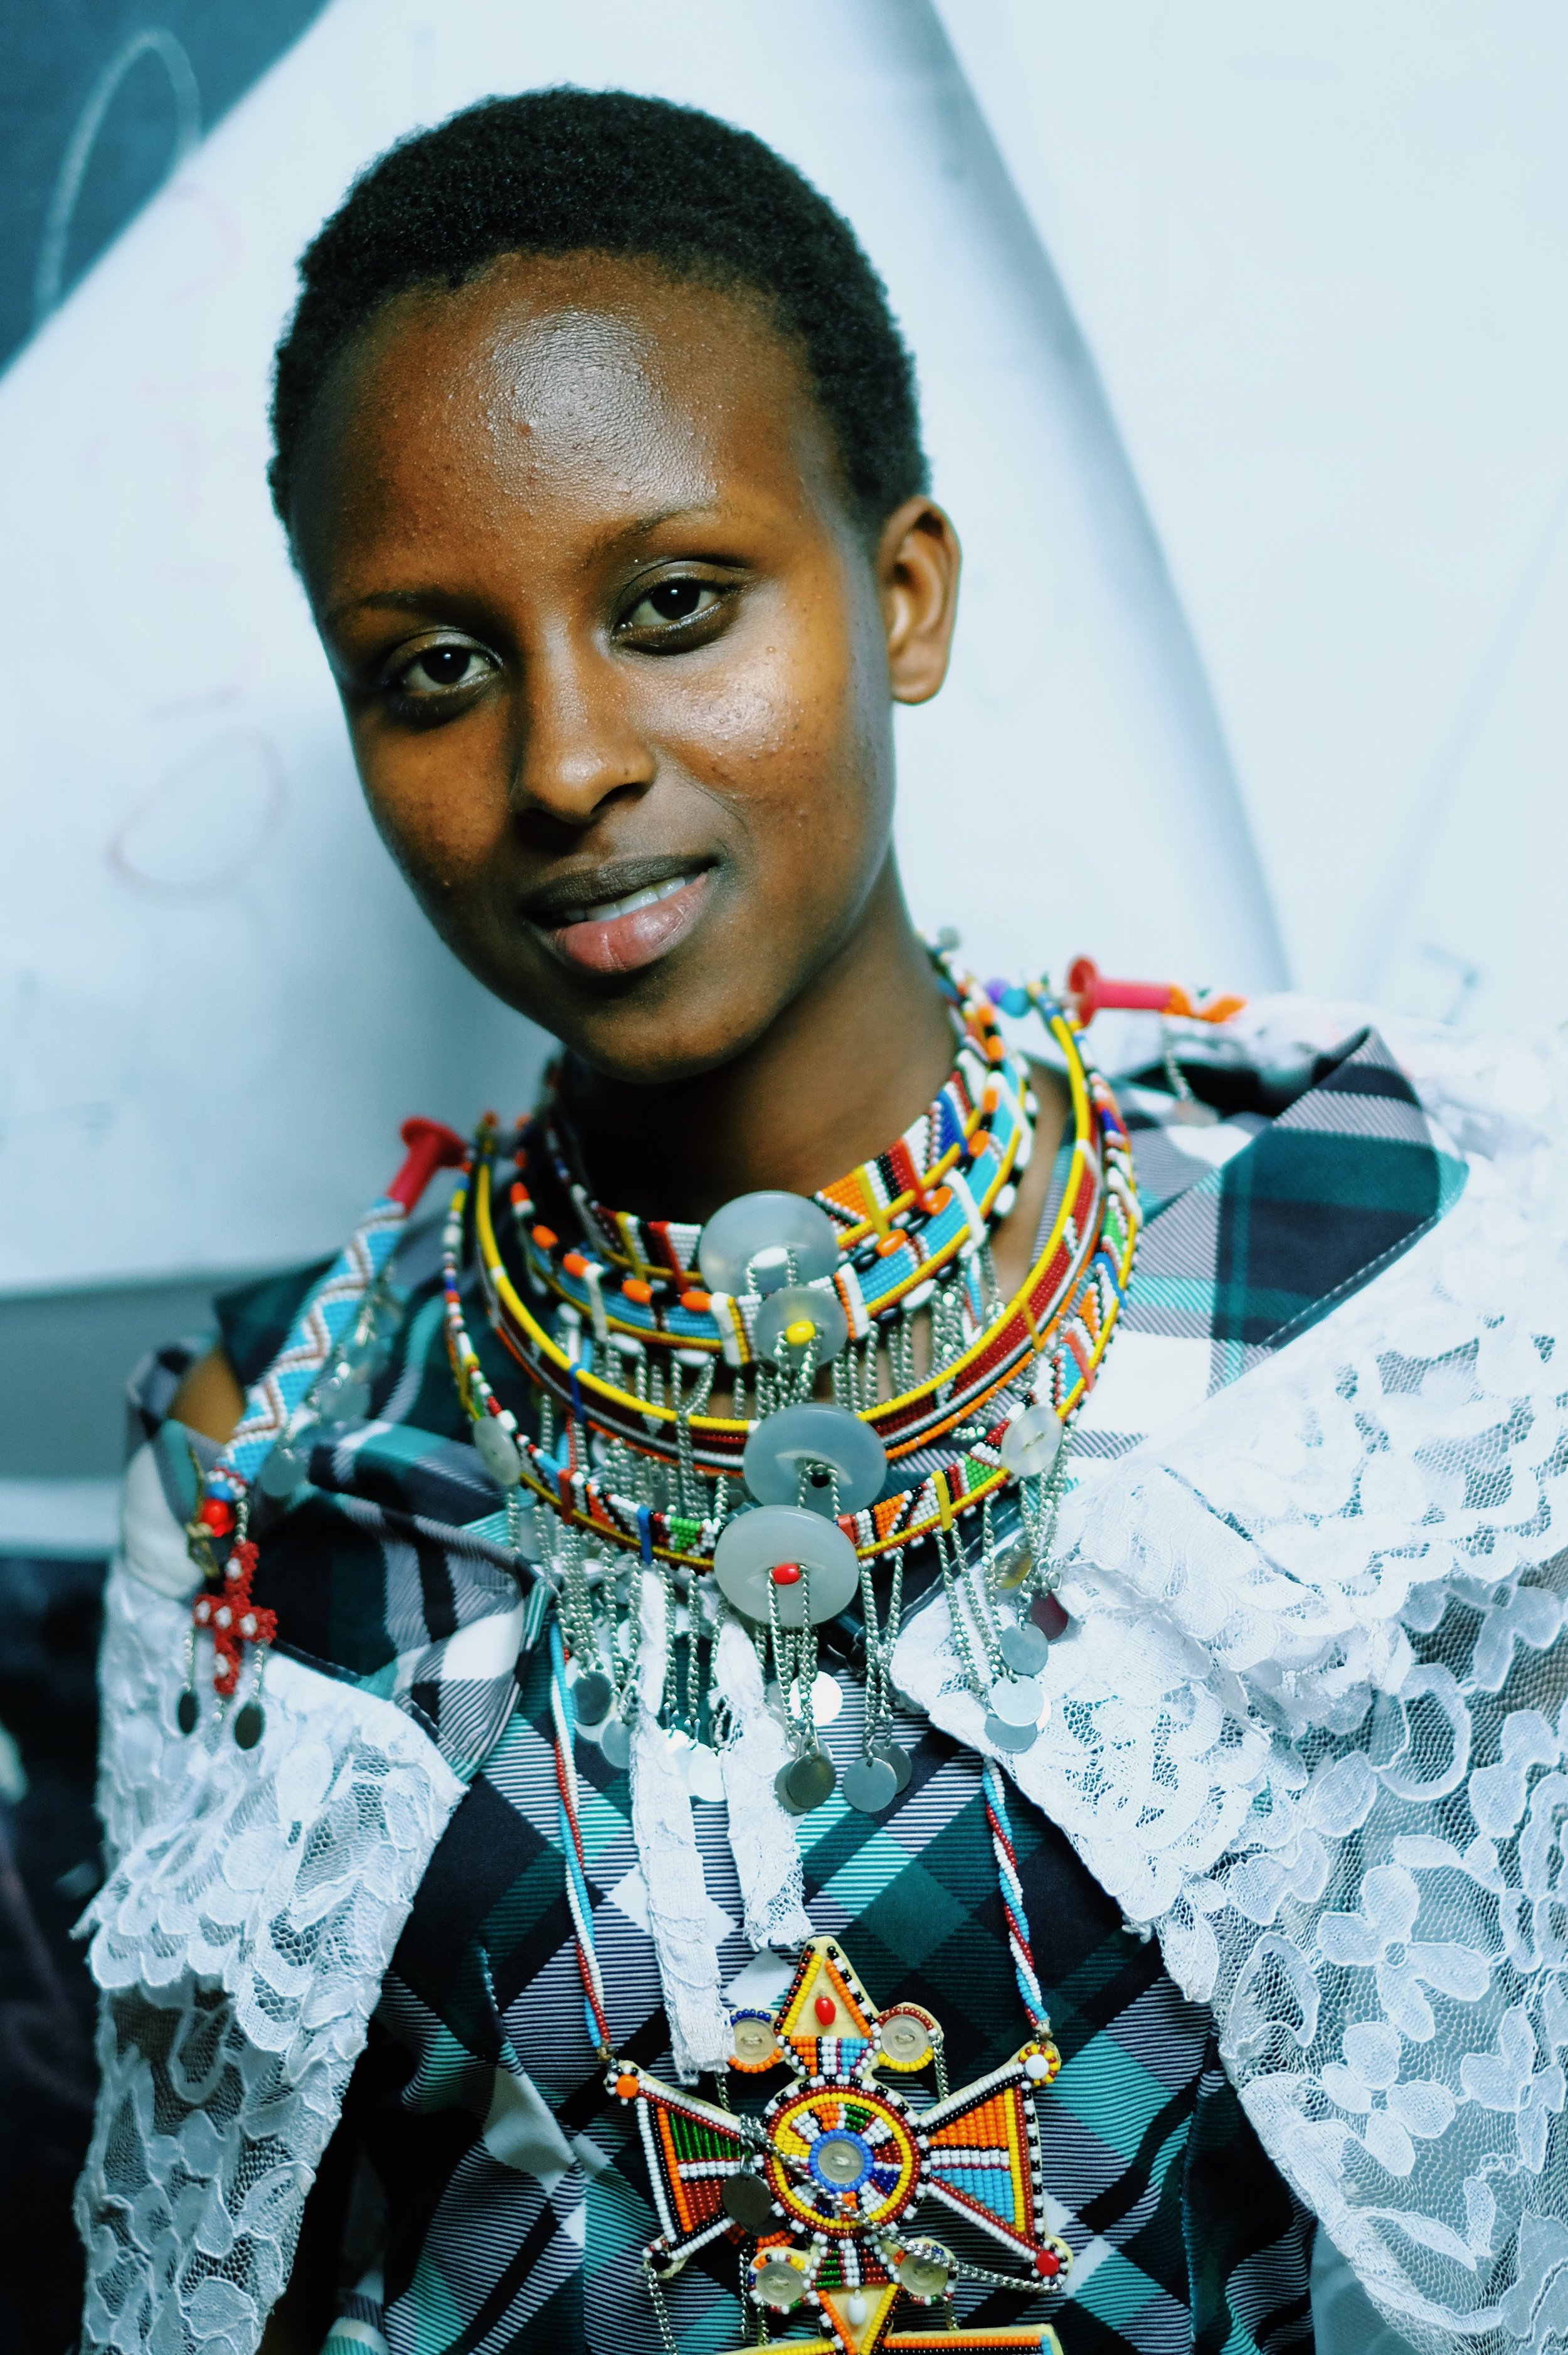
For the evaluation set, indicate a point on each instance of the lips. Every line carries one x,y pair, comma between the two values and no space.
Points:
624,933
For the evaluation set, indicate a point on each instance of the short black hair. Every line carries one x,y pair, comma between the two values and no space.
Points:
566,171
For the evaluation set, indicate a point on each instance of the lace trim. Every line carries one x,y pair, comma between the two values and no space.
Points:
761,1836
1312,1725
672,1869
239,1943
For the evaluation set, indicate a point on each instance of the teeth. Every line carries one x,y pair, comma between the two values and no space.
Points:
604,910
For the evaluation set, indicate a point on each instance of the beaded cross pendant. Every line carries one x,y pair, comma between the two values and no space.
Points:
826,2179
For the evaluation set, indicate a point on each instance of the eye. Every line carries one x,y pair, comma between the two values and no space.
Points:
671,600
439,670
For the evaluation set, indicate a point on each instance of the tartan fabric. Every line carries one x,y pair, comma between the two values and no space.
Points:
388,1574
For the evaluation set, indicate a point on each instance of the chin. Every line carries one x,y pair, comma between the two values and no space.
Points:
659,1060
682,1036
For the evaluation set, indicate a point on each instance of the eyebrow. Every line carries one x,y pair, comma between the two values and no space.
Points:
420,600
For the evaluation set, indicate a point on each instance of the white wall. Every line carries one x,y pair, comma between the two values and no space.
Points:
1245,377
1320,255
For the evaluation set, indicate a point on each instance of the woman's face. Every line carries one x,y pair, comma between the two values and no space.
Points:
618,665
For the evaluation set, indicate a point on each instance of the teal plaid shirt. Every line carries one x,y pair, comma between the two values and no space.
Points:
1184,2236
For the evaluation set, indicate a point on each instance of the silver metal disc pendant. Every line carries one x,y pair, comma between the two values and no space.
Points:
284,1470
1017,1700
799,1437
1031,1443
771,1227
806,1781
1009,1737
799,1304
1050,1616
615,1741
749,2200
1014,1564
591,1697
1025,1650
497,1451
894,1754
754,1545
870,1785
704,1776
827,1697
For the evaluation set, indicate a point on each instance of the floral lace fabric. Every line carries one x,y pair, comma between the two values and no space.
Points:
1311,1725
239,1943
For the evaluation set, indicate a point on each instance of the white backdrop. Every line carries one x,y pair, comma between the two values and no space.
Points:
1244,378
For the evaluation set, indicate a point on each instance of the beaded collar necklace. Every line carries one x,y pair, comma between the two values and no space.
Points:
643,1326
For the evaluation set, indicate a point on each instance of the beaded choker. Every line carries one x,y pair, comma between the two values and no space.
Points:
626,1451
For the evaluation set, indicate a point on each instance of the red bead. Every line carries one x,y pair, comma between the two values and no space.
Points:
1047,2262
786,1573
218,1515
826,2009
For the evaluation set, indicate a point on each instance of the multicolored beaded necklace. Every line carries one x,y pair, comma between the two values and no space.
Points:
643,1328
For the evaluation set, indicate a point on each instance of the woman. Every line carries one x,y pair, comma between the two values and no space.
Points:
665,1862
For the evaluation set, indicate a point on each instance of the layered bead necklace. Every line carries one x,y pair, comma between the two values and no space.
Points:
777,1510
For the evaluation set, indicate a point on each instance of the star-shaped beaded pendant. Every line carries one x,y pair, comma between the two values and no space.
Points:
825,2181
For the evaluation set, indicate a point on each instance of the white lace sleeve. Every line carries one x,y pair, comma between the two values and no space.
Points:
239,1947
1313,1725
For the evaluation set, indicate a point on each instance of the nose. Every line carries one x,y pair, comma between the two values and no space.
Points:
578,746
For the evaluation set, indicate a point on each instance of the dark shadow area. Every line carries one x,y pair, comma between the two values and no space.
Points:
49,1867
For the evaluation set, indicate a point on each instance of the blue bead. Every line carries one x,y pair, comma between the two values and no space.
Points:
951,1127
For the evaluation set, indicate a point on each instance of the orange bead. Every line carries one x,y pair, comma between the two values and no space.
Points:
699,1302
635,1289
574,1261
627,2086
546,1237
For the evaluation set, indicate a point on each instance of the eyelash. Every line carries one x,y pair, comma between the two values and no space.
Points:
426,702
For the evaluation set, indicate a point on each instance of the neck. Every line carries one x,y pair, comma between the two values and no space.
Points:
843,1070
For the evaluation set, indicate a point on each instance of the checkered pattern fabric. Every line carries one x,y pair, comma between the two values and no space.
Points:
515,2223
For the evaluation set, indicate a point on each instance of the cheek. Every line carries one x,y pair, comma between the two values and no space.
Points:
788,735
440,802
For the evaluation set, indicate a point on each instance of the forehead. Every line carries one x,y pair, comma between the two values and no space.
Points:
578,385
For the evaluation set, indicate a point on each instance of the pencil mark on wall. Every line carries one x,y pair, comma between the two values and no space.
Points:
152,40
204,823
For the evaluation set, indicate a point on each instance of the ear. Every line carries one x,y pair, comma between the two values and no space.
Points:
917,561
